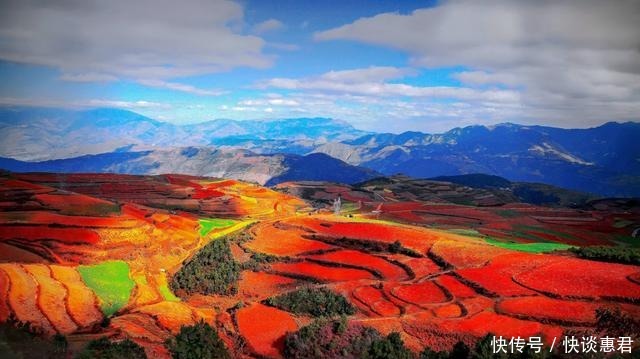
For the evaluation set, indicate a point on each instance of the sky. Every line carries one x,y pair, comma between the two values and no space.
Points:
386,66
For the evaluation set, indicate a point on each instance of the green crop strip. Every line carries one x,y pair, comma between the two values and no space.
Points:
538,247
167,294
209,224
110,281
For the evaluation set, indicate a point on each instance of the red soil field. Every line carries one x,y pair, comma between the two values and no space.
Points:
497,276
48,218
81,302
143,329
375,301
421,267
412,238
264,328
448,311
74,203
271,240
543,308
403,216
466,253
51,296
356,258
475,305
17,185
426,310
455,287
574,277
260,285
39,233
420,293
320,272
23,297
11,253
169,315
425,329
487,322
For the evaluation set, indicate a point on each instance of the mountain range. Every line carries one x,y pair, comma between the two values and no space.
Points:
604,160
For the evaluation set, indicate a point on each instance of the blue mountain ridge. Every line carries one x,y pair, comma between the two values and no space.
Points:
604,160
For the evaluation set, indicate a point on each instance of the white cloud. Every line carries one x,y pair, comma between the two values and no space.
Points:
181,87
283,46
268,26
270,102
88,77
139,40
372,82
574,61
92,103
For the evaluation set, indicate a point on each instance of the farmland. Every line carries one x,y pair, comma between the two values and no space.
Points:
140,257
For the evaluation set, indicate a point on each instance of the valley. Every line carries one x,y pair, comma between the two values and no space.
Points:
139,257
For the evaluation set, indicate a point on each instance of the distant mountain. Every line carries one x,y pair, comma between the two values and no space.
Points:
603,160
224,163
42,134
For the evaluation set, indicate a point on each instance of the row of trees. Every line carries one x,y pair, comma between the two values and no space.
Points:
617,254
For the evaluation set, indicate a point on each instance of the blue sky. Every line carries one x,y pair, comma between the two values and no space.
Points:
387,66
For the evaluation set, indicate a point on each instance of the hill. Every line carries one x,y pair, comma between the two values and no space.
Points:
46,133
205,161
601,160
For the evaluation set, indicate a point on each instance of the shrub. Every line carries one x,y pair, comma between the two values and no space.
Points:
104,349
318,302
616,323
619,254
330,339
196,342
20,340
211,271
390,347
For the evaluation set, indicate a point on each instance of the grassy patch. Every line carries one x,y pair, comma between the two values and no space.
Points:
209,224
110,282
539,247
167,294
465,232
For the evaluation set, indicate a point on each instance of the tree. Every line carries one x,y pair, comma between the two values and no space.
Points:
199,341
103,348
390,347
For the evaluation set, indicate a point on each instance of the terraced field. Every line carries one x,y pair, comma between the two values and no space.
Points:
76,249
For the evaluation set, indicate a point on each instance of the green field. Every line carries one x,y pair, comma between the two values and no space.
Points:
167,294
110,282
539,247
209,224
466,232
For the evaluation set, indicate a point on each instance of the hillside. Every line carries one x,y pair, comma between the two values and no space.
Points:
601,160
205,161
140,257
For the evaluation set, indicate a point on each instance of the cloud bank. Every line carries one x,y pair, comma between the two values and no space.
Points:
148,41
572,61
